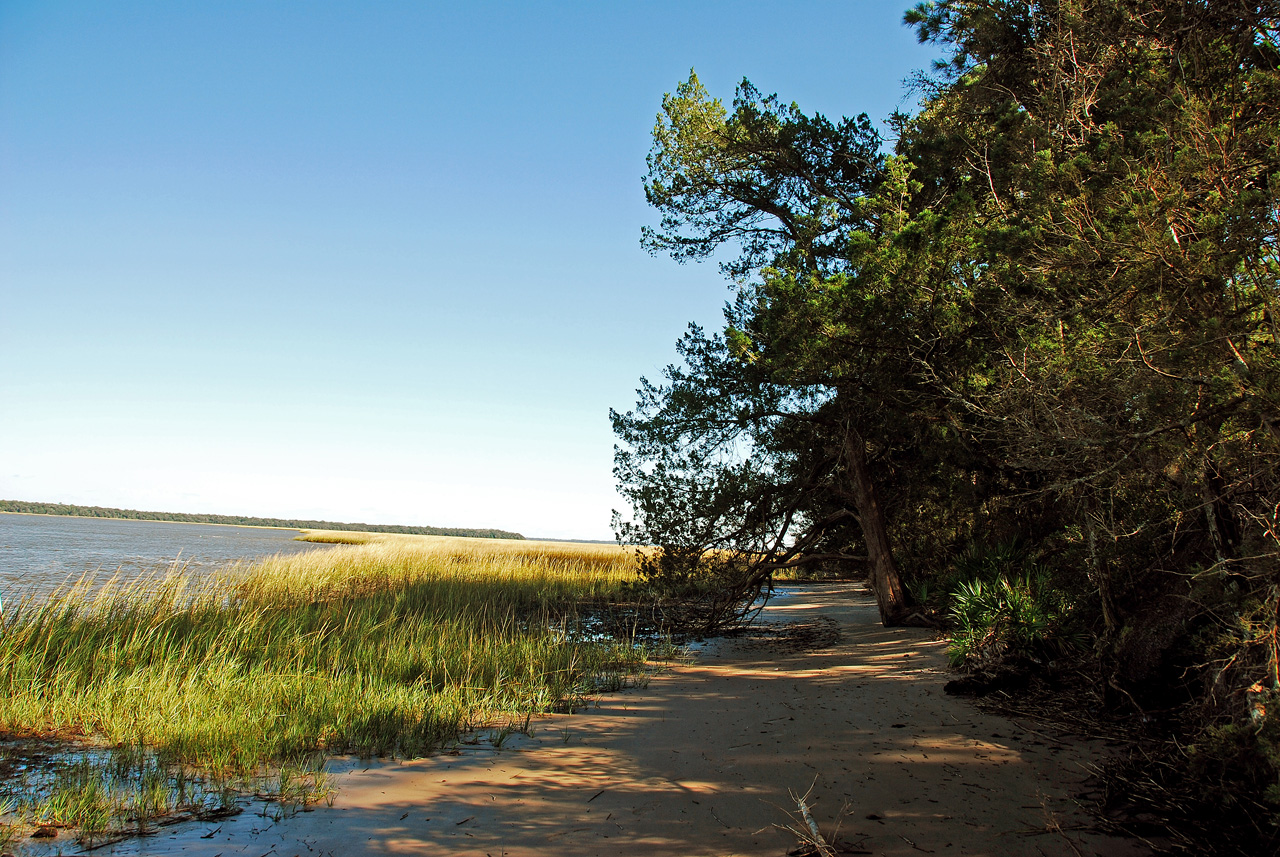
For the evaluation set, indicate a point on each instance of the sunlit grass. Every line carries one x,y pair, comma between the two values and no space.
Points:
392,646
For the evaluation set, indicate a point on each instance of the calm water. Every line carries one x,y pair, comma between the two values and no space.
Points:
39,553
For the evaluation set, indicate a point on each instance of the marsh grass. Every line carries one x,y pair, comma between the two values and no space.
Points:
105,794
389,647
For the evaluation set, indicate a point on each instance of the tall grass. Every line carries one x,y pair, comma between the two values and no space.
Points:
388,647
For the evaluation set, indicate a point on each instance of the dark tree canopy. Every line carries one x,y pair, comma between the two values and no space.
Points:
1047,318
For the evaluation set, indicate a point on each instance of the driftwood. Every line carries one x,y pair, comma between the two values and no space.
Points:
816,839
812,842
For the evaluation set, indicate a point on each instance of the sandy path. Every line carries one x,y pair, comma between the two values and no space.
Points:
702,760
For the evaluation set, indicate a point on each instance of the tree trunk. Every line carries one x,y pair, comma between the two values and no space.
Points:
891,596
1220,520
1100,575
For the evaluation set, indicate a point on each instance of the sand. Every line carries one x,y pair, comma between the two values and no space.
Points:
706,758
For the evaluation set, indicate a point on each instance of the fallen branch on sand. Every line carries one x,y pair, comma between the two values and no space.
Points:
812,842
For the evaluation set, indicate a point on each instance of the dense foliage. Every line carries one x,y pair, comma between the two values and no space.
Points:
1047,319
244,520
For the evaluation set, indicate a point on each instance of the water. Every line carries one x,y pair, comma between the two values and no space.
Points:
39,553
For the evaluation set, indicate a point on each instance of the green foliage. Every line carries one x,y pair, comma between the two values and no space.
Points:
1234,738
720,177
1007,618
1238,762
758,444
699,592
1049,317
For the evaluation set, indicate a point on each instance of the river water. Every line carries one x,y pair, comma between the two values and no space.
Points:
40,553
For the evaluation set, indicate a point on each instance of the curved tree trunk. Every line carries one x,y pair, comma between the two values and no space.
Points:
891,596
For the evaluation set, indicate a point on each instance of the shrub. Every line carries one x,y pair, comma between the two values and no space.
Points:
1020,616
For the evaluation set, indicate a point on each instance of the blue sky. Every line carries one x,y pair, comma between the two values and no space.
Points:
362,261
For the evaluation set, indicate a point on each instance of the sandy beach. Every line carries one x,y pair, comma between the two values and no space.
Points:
706,759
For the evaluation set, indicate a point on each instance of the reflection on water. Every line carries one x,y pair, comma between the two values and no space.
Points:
39,553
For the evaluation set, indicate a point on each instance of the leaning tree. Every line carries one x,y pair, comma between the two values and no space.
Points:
770,446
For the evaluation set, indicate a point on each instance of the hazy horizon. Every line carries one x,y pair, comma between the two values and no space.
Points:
362,263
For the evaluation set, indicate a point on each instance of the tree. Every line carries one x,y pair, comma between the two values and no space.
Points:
1115,163
767,442
1053,296
1050,316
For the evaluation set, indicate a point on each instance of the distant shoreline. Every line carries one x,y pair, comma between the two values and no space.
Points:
66,510
148,520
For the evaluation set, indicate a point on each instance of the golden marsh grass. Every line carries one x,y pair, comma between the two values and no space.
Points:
391,646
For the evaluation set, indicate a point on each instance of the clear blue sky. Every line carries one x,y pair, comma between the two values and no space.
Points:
362,261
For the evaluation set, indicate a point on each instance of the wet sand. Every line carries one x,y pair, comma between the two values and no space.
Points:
706,758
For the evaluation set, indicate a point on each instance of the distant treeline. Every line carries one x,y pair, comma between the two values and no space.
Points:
242,520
